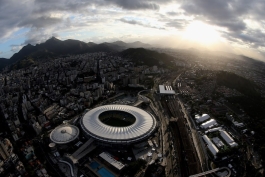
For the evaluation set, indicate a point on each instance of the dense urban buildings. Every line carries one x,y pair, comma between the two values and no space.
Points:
98,114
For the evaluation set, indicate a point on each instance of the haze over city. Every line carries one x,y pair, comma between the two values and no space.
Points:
229,26
132,88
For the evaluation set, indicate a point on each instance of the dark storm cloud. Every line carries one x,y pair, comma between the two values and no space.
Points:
11,14
254,38
221,13
47,6
136,4
226,13
41,22
76,6
136,22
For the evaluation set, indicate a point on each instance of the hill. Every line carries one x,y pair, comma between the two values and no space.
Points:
239,83
136,44
148,57
55,47
3,62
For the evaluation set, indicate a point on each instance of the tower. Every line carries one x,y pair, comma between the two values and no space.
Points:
98,77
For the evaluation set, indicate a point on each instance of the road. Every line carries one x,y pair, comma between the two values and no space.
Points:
156,107
197,141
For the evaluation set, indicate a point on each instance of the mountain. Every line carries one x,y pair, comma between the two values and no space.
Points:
136,44
148,57
54,47
3,62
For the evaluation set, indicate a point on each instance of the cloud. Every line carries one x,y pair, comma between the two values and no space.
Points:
15,15
136,4
252,38
136,22
177,23
76,6
1,52
16,48
231,15
172,13
221,13
40,22
39,19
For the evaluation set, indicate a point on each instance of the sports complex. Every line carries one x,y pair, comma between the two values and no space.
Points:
121,127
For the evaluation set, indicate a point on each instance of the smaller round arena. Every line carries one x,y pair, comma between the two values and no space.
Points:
64,134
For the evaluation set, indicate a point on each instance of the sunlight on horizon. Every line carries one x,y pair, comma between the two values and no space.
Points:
202,33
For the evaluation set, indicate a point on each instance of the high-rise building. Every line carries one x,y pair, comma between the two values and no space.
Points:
3,151
98,72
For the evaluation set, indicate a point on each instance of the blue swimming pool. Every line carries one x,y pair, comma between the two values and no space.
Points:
103,172
94,165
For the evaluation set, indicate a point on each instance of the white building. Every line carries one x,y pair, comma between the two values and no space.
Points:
213,130
218,142
209,124
228,139
202,118
166,90
214,150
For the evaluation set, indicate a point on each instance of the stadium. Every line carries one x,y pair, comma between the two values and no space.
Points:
118,124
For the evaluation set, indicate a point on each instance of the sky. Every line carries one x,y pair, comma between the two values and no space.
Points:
234,26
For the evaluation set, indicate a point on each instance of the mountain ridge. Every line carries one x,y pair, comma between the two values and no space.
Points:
54,47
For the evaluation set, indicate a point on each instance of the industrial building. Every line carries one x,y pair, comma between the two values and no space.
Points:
210,145
202,118
166,90
228,139
209,124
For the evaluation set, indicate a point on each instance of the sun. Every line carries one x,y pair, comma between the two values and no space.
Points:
202,33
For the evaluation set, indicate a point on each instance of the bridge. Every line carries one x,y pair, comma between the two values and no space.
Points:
138,103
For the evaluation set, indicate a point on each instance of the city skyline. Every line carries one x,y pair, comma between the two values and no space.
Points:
230,26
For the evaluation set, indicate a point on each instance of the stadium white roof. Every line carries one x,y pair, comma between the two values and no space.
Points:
166,90
64,134
142,128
